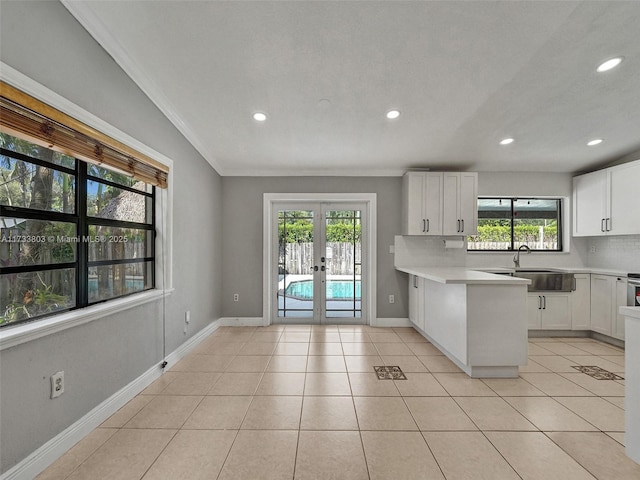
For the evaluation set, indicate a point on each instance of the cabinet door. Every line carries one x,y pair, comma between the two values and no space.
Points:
556,312
601,303
432,203
534,303
589,204
412,203
625,182
581,303
620,301
451,204
469,202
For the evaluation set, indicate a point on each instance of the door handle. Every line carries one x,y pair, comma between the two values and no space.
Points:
322,268
315,268
322,259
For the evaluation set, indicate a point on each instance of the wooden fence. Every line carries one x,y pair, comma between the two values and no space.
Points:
341,258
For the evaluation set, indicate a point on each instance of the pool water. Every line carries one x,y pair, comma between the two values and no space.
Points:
336,290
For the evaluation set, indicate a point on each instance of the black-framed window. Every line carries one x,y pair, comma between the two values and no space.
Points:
504,224
72,233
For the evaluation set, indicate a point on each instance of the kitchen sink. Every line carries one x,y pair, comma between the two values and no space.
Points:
547,280
544,279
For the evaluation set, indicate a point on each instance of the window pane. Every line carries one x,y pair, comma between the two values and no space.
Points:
110,281
28,295
535,223
494,225
24,184
105,201
35,151
114,243
116,177
36,242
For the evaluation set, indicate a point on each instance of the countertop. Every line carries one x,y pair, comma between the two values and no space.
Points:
462,275
596,271
630,312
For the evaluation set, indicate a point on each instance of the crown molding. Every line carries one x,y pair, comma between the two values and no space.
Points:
93,25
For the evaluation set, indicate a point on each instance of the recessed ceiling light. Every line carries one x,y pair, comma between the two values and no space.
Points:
609,64
259,116
595,141
393,114
506,141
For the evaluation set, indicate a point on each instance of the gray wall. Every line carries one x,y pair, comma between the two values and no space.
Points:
242,236
43,41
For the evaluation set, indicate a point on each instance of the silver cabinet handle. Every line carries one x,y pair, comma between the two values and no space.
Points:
415,281
428,225
539,302
458,225
424,225
462,225
575,284
544,303
602,225
607,226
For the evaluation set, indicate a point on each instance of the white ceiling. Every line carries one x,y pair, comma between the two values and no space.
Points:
463,74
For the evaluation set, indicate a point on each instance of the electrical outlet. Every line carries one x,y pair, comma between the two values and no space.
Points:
236,297
187,317
57,384
392,299
592,249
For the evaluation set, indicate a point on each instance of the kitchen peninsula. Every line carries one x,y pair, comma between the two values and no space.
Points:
477,319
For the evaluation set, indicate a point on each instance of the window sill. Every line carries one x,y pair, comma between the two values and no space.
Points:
22,333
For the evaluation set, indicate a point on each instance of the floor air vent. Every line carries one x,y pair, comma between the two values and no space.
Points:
392,372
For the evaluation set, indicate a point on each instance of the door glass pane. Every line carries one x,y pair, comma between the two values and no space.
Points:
343,262
295,263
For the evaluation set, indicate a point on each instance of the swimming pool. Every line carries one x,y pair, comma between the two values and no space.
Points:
336,290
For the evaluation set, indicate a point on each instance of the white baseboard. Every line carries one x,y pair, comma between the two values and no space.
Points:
392,322
241,322
190,344
48,453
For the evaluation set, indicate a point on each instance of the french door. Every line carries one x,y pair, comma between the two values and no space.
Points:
318,259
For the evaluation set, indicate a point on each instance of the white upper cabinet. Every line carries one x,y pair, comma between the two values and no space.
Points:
440,203
625,193
460,203
422,203
603,201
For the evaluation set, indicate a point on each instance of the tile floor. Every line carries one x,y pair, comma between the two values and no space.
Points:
301,402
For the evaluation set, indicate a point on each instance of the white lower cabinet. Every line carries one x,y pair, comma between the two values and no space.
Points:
608,293
549,311
416,301
581,303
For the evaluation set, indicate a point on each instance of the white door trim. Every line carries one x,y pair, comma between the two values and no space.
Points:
369,199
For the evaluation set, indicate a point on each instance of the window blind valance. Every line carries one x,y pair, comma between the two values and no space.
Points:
26,117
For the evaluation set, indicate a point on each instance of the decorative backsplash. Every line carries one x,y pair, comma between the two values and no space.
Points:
428,252
617,252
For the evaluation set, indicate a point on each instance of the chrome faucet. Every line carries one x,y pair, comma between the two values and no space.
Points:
516,257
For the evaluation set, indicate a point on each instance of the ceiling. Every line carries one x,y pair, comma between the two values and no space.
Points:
464,75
